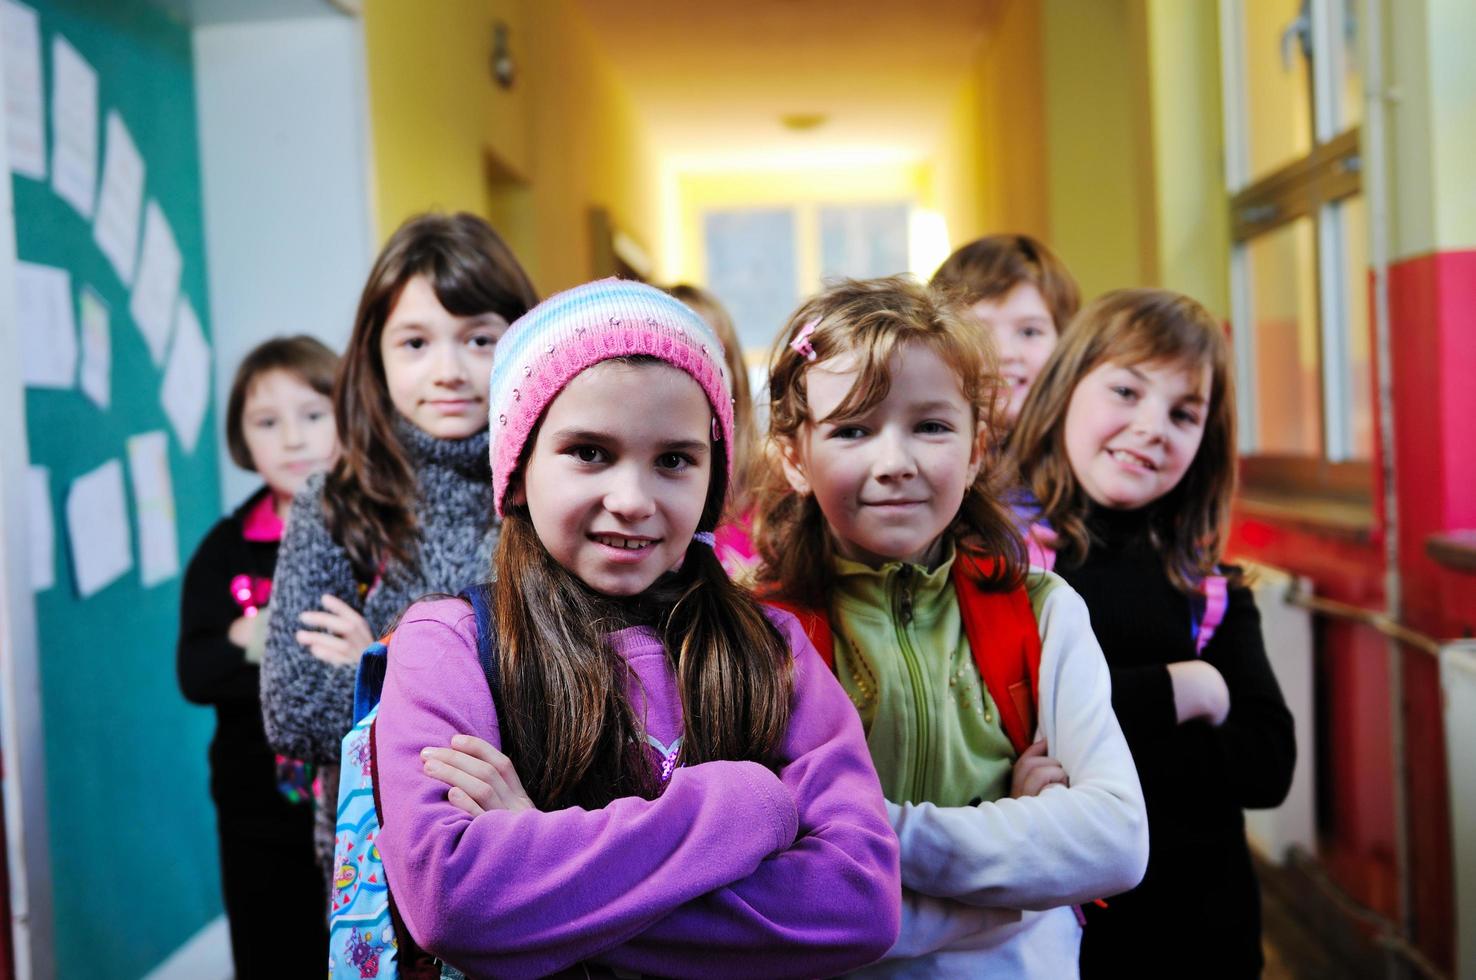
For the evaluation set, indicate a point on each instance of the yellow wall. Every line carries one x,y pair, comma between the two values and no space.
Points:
989,173
1097,136
588,147
433,104
1191,234
1133,148
534,159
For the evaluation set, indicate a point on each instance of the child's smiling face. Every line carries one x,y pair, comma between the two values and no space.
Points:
1133,429
288,429
891,480
617,479
437,364
1024,334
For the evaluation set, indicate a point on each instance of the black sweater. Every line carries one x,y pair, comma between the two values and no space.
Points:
214,671
1197,911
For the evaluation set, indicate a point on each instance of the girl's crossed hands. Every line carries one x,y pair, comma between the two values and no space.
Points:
1034,771
341,633
481,778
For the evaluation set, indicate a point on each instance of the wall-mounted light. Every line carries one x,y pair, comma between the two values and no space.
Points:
504,69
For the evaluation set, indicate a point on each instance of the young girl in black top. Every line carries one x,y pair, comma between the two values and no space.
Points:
1126,446
279,423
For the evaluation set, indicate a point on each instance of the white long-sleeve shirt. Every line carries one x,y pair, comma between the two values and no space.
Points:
988,889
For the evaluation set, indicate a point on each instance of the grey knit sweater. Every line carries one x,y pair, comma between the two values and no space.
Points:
307,705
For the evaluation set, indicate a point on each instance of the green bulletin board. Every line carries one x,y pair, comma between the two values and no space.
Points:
133,851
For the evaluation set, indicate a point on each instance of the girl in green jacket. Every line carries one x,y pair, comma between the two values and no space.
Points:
983,693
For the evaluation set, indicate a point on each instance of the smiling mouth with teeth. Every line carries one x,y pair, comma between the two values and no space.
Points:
616,541
1123,456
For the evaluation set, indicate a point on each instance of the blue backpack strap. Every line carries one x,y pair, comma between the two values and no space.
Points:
480,599
369,681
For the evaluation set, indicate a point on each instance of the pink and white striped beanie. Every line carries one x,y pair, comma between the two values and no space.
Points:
548,346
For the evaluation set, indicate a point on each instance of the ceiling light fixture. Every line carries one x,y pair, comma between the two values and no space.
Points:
803,122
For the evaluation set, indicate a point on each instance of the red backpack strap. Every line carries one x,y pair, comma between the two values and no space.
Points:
1005,641
816,625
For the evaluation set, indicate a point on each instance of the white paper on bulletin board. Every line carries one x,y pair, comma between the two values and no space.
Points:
153,499
98,528
46,325
25,126
73,127
41,530
186,391
157,286
115,229
97,347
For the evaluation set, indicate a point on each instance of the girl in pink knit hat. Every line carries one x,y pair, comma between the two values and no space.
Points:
632,764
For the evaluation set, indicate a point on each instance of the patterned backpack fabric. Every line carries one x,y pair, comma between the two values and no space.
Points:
366,936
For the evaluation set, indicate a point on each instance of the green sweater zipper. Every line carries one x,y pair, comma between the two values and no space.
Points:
901,655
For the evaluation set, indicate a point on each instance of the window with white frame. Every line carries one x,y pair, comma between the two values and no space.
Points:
1293,99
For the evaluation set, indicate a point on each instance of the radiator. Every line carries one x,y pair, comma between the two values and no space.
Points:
1288,633
1458,684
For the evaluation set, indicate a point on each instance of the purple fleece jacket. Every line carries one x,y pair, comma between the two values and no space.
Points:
732,871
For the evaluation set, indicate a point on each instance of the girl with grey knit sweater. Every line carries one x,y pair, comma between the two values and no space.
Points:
407,510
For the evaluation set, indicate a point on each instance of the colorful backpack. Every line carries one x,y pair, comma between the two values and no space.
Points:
367,937
1003,637
1206,610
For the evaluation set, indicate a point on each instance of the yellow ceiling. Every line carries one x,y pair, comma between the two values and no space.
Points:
712,80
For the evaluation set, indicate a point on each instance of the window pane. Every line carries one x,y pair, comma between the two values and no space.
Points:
1359,376
1347,71
751,269
863,241
1278,86
1286,369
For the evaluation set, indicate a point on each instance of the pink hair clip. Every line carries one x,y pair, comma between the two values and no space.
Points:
801,343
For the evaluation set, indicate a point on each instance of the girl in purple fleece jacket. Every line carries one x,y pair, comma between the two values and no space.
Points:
676,784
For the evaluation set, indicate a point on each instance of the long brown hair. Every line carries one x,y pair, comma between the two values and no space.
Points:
989,267
872,320
368,494
707,306
1131,326
570,729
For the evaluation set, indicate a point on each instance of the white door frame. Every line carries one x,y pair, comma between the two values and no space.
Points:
27,838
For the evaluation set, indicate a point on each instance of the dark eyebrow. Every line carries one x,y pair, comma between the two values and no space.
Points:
582,435
566,436
1195,397
685,446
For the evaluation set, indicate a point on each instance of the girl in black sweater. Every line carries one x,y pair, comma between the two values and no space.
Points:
279,422
1126,446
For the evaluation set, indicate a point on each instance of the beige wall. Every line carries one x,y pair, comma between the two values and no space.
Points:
1432,125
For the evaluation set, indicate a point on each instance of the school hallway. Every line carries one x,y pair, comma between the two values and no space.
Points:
189,178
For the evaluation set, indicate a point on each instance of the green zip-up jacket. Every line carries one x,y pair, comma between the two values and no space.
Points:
902,656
